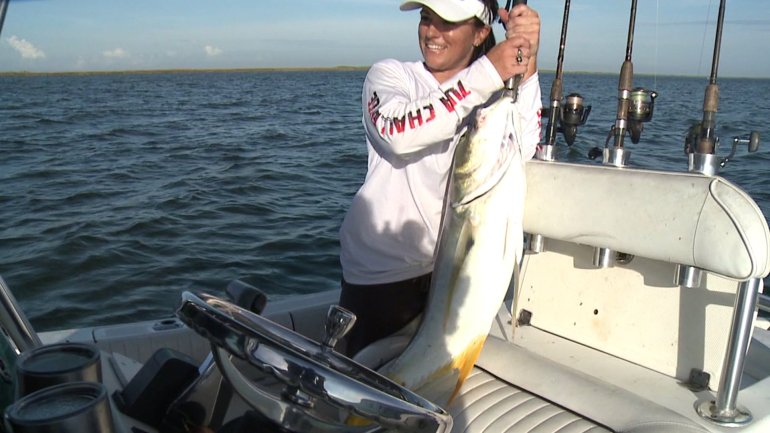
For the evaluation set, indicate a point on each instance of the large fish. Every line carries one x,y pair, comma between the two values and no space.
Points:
480,243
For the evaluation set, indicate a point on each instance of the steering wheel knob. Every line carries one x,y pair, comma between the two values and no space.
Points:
339,322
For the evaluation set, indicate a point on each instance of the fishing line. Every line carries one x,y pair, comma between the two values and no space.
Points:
703,40
657,44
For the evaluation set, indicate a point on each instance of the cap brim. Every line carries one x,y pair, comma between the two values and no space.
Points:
442,8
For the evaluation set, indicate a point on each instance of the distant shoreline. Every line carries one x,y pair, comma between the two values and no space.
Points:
305,69
190,70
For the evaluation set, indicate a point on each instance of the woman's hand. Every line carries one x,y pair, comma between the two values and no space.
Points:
518,53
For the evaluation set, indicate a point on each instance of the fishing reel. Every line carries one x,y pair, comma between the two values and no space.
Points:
640,109
709,163
573,114
564,118
691,139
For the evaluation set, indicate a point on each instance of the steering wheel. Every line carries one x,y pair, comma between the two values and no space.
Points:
300,384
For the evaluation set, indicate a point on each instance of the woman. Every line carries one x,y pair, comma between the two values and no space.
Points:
413,114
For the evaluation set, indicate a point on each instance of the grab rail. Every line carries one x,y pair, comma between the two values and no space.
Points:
15,324
764,303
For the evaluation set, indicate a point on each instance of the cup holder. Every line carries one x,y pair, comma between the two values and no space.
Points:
55,364
78,407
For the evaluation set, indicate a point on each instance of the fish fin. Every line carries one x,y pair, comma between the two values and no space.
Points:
381,352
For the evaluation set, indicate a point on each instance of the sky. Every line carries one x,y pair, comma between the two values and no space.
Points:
671,36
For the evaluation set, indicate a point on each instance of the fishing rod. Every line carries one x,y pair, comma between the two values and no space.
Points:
567,118
3,9
701,142
707,137
512,85
700,146
635,106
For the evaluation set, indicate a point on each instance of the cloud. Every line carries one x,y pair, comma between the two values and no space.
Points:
212,51
25,48
117,53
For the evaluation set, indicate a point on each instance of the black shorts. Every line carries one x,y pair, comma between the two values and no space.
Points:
382,309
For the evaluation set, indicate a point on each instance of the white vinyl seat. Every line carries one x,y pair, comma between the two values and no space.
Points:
506,392
595,349
489,404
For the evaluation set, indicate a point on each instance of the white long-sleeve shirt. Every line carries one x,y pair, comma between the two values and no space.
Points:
412,124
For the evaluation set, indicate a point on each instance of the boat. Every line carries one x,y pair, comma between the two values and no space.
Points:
647,324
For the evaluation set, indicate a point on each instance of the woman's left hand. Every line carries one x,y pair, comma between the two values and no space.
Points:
523,21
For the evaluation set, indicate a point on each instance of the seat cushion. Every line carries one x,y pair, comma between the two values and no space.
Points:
587,398
487,404
682,218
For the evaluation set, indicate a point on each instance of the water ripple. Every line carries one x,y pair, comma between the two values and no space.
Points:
121,191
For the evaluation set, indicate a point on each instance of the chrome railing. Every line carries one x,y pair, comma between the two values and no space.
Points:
763,303
14,323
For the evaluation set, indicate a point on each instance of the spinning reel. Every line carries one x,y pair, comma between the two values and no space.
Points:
573,114
640,109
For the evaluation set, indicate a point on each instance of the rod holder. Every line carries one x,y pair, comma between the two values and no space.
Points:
724,410
688,276
617,156
603,258
704,163
535,243
546,152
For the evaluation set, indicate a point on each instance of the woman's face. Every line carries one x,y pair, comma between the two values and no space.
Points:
447,47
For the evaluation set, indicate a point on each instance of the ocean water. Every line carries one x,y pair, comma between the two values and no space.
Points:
120,191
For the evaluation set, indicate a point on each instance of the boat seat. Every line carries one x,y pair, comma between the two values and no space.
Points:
611,348
682,218
505,393
635,309
489,404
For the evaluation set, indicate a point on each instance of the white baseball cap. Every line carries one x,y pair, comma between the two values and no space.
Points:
453,10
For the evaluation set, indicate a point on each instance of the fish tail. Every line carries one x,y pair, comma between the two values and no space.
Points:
444,383
466,361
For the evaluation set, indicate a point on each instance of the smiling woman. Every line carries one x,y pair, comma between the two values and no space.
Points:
414,113
439,55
